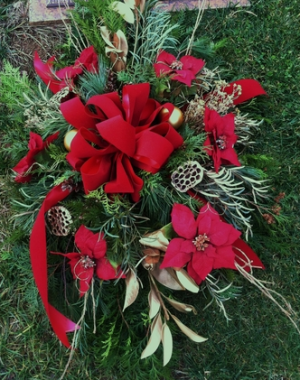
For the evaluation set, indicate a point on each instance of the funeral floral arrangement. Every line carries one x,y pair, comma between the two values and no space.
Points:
135,177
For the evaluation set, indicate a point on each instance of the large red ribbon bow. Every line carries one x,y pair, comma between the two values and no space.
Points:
118,135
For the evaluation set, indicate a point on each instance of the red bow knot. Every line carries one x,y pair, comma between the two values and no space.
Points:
117,136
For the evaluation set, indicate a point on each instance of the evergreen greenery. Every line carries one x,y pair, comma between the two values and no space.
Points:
90,16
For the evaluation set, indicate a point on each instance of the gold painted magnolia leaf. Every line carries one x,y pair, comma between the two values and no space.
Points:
130,3
124,10
187,281
155,239
155,338
188,332
132,288
167,342
154,304
165,278
183,307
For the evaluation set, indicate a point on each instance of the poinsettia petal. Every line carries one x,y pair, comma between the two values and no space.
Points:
204,222
21,168
68,73
104,269
229,125
165,57
89,59
211,119
229,155
191,271
85,278
100,246
46,73
86,241
191,63
183,221
84,275
178,253
35,142
225,258
49,140
208,146
162,69
184,76
221,233
70,256
202,262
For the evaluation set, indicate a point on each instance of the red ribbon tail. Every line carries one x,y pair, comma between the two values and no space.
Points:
250,89
38,255
61,325
245,256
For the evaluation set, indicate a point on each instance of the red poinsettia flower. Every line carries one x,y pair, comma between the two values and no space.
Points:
87,60
35,145
203,244
117,136
90,260
220,138
183,71
57,80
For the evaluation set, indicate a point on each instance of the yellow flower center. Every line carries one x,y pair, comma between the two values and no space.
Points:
176,65
200,242
87,262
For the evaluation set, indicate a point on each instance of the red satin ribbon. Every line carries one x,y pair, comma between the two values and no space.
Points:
250,89
38,255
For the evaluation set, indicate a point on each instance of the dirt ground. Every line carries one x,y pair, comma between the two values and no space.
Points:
19,40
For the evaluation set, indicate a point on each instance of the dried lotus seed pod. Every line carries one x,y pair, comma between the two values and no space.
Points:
60,220
187,176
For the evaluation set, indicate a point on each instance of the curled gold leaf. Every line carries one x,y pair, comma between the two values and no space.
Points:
155,239
132,288
167,342
187,281
188,332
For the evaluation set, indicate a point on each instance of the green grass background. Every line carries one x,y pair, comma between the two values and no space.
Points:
259,343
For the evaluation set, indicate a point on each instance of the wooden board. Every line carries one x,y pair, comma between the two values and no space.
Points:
45,12
176,5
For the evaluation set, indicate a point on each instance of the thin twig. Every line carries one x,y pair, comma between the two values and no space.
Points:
197,23
75,337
